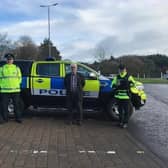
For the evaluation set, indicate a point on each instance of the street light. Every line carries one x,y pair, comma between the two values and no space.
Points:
48,6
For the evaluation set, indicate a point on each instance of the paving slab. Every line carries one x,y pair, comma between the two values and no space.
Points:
47,142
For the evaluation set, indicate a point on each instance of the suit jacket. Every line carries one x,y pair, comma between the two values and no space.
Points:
80,84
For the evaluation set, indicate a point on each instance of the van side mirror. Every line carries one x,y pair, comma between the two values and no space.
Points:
92,75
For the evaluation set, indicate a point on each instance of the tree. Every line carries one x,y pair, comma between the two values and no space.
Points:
43,50
26,48
5,45
100,53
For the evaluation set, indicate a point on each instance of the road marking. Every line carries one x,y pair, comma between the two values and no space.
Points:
13,151
111,152
140,152
82,151
35,152
92,151
43,151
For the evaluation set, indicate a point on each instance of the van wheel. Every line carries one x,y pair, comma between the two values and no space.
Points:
10,107
112,110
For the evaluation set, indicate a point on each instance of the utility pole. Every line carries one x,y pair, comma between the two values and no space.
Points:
49,45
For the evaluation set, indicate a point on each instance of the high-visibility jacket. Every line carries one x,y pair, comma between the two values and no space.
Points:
122,83
10,78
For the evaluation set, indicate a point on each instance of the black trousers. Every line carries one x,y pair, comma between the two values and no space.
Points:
124,110
5,97
75,107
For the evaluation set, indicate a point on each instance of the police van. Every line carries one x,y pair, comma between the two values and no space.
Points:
43,86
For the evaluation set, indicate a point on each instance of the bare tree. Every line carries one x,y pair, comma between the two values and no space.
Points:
5,45
100,53
26,48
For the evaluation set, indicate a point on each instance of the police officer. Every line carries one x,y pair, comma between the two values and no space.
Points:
121,83
10,79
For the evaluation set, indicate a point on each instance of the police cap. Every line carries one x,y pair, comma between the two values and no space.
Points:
121,66
9,56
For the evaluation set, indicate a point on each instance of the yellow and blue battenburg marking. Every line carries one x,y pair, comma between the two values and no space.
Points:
25,83
54,86
57,89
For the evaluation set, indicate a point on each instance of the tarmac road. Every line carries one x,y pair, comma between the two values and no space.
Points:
150,123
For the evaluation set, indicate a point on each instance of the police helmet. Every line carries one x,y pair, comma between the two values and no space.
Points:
9,56
121,67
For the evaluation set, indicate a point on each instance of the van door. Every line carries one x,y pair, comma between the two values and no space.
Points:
47,83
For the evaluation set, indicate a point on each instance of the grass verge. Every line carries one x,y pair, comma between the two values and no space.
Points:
152,80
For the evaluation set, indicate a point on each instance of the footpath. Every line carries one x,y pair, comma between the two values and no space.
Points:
47,142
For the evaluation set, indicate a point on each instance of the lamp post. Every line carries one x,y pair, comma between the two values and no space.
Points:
48,6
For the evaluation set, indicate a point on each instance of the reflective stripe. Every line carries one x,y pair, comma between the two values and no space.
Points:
10,89
122,94
90,94
62,92
122,97
49,92
122,90
9,77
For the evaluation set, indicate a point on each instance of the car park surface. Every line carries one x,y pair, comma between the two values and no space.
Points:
44,140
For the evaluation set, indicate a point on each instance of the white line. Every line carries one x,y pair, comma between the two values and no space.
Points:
111,152
13,151
35,152
140,152
91,152
82,151
43,151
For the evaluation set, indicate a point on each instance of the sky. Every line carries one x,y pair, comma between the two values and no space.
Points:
81,28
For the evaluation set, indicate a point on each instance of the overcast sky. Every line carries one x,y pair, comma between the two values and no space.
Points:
79,27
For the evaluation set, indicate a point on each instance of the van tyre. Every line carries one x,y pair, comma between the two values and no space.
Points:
11,107
112,110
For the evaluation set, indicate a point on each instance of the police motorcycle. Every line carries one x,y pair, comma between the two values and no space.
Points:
138,99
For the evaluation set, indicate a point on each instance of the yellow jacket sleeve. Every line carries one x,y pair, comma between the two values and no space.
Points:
19,75
131,80
114,81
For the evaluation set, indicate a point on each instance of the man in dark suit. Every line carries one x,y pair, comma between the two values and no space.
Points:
74,83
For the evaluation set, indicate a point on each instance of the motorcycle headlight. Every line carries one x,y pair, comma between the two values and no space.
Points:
140,87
